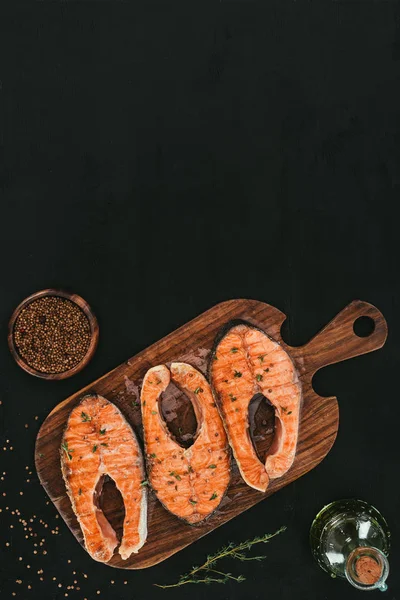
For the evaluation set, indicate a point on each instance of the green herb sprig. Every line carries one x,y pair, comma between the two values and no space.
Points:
206,573
67,450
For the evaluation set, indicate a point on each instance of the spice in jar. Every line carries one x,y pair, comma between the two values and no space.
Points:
368,570
52,334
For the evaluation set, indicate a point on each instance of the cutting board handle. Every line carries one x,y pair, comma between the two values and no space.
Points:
338,341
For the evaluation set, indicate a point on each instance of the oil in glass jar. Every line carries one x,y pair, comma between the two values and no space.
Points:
351,539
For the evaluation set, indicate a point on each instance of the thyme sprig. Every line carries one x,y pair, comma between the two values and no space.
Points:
67,450
206,573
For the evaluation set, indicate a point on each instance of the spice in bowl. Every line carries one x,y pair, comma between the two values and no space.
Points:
53,334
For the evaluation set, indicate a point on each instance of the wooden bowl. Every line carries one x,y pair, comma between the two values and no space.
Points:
94,328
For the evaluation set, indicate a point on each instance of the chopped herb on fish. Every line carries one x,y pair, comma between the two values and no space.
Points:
85,417
67,450
153,455
153,412
265,364
232,397
234,350
144,482
182,478
108,430
158,381
290,412
214,496
144,402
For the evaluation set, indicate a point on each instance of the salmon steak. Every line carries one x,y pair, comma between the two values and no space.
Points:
97,442
189,482
246,362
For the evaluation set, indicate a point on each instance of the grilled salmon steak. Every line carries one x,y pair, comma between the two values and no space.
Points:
246,362
189,482
98,441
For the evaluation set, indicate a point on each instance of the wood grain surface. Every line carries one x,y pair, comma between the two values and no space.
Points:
192,343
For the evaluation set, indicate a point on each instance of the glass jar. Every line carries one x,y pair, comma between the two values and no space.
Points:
351,539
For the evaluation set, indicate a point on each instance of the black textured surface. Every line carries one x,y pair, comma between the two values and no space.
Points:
157,160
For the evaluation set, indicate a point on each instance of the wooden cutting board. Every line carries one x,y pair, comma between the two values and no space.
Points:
192,343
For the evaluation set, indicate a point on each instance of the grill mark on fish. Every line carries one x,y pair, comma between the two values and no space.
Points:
264,367
189,482
97,442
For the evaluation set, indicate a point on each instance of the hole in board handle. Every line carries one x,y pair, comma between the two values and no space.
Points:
364,326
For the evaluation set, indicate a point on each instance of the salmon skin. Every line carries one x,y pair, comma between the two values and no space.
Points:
246,362
189,482
98,441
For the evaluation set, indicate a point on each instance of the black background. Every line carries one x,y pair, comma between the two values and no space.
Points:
157,160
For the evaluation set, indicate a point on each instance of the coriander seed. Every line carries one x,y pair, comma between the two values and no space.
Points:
52,334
